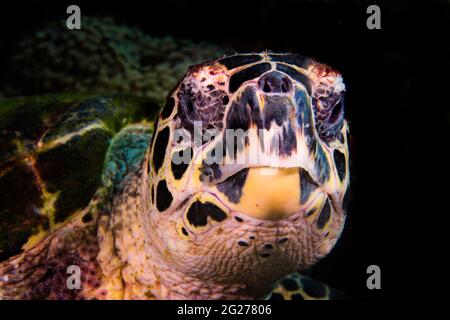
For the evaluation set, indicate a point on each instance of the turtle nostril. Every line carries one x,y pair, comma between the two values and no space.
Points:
285,86
274,82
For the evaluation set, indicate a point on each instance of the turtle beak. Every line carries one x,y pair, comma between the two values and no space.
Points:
270,125
276,152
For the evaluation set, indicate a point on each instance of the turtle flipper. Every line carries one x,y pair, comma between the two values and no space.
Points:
299,287
42,272
52,156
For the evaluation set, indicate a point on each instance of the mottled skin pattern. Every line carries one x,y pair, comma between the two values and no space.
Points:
226,231
52,158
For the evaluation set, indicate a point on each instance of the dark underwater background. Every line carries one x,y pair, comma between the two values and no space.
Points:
147,38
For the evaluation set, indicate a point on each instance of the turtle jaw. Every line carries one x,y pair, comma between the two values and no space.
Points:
265,193
240,257
224,250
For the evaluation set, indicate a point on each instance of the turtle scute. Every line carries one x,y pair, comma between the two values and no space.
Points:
52,158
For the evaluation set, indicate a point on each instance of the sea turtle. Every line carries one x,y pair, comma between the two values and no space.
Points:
240,185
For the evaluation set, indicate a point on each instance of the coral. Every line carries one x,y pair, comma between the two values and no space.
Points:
103,57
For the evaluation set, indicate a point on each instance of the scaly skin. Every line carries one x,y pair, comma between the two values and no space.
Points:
212,232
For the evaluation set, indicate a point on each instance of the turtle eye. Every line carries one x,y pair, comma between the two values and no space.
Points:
329,112
205,106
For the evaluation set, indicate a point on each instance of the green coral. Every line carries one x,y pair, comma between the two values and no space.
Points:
103,57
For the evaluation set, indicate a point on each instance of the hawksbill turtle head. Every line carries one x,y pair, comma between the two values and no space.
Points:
249,168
